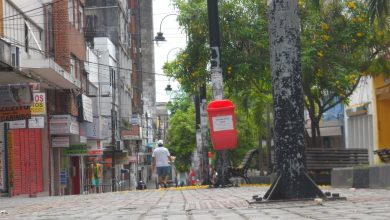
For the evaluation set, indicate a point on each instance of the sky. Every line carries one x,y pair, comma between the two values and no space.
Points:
166,51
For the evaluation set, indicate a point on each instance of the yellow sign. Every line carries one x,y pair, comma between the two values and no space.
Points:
39,105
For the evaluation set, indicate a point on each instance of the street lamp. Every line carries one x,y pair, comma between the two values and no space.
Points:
159,36
168,89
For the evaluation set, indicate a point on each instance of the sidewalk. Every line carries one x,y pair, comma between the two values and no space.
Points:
202,204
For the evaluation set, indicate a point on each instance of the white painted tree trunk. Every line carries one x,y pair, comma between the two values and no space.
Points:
287,84
284,30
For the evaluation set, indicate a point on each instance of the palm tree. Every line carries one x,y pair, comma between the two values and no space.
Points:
378,9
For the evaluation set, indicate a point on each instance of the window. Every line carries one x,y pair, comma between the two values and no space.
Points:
50,32
112,77
76,14
81,16
26,43
70,11
72,67
77,69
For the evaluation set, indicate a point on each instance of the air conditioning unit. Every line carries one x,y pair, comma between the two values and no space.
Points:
15,57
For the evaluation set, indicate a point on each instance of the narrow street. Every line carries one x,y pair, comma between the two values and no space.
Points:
225,203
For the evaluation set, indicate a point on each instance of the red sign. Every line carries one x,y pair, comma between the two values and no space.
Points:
15,113
97,152
132,134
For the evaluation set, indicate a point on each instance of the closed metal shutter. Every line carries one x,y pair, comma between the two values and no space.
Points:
27,161
360,134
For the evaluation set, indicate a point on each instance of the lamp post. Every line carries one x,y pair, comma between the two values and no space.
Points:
217,82
159,36
168,89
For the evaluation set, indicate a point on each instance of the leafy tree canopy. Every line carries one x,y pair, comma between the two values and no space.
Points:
181,132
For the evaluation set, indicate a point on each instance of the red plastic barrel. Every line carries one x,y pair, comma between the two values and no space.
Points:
222,124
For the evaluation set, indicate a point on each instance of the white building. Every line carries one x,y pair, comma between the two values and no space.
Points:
359,118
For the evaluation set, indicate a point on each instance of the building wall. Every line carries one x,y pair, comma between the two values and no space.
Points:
147,66
34,5
359,128
1,20
382,109
67,39
19,27
136,76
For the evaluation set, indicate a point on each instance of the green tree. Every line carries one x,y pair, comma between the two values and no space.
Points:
378,10
338,47
244,41
181,131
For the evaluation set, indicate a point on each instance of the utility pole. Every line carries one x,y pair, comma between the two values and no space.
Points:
217,82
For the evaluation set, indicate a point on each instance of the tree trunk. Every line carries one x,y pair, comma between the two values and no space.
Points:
284,28
204,136
315,139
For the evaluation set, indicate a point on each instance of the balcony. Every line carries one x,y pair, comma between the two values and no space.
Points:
51,72
9,74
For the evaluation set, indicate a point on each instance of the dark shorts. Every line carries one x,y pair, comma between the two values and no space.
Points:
163,171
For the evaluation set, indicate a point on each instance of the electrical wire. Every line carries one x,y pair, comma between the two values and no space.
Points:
17,43
34,9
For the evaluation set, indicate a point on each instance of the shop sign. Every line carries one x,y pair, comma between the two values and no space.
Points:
121,158
76,149
15,113
132,159
15,95
63,124
132,134
92,130
39,105
36,122
135,120
97,152
83,137
19,124
87,108
60,141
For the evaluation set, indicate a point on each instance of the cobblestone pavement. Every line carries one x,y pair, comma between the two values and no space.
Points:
194,204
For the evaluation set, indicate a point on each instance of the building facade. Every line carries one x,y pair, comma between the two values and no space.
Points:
71,86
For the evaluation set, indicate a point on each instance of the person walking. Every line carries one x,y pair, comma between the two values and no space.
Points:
161,161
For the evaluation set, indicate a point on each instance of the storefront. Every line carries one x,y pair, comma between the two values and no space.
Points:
68,154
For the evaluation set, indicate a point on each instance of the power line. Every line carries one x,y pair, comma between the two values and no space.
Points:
34,9
15,42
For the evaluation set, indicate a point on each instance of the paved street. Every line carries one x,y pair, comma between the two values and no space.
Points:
203,204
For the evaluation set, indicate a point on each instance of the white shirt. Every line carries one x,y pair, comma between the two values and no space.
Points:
161,155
